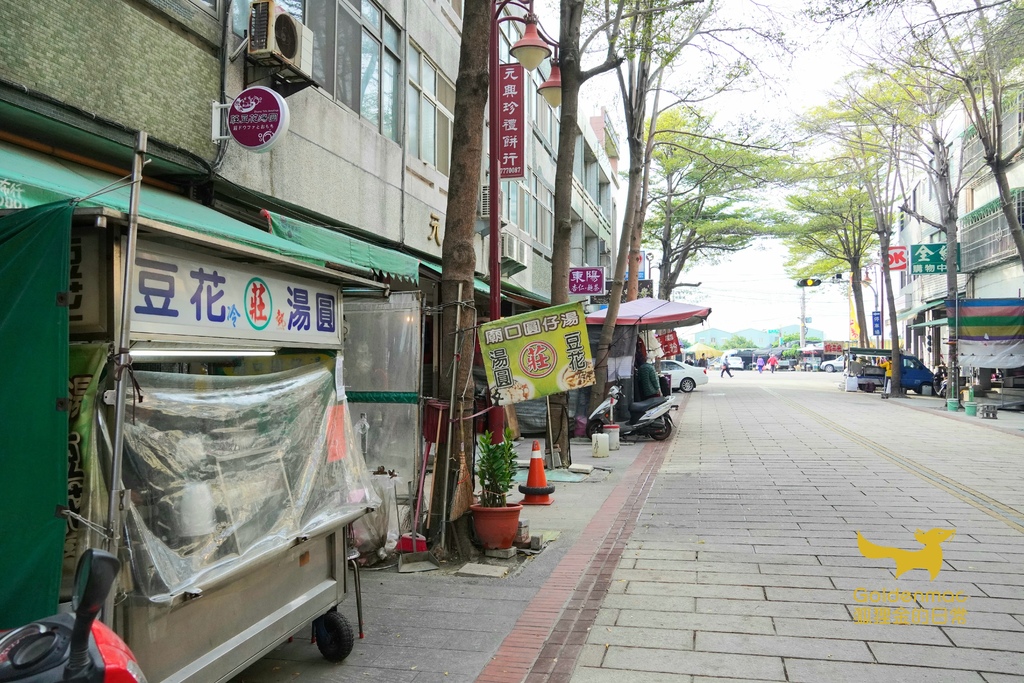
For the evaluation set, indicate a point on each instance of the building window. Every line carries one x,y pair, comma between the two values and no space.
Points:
545,213
431,101
968,199
356,51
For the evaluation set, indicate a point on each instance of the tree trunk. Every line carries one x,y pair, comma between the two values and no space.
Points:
458,256
569,62
857,287
890,299
1009,206
597,392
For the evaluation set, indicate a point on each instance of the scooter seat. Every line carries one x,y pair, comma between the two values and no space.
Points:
638,408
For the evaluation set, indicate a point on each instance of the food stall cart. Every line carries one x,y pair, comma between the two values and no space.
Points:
227,478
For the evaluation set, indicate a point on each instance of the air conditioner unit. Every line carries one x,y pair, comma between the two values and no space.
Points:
276,38
513,258
484,205
602,246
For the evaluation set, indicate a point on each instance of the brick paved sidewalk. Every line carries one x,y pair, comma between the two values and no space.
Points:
744,562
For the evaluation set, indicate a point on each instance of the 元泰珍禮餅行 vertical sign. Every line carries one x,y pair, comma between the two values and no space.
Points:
511,122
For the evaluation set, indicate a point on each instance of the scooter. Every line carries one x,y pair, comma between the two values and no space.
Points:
73,647
646,418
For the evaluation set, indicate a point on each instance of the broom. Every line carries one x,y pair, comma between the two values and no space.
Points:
463,485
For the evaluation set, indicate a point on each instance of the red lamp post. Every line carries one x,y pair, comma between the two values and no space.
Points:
533,48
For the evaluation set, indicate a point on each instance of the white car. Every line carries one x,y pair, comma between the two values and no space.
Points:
834,365
684,376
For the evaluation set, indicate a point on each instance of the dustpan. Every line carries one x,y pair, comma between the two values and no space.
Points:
418,560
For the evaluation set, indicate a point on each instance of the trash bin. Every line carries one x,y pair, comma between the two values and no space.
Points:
666,385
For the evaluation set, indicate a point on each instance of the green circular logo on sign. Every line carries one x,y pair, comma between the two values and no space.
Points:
258,303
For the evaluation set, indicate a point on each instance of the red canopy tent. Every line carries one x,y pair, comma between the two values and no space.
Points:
654,314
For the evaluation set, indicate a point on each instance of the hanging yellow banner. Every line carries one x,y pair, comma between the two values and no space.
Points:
537,354
854,325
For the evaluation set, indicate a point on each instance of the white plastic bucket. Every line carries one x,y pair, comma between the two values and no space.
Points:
613,436
600,445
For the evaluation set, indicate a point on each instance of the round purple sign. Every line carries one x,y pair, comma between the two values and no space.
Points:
258,118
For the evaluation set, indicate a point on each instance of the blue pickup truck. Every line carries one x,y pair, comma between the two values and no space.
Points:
913,376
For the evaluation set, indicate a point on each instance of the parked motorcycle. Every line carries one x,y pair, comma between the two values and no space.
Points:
73,647
646,418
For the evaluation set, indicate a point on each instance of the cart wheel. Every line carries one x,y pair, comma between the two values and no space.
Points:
334,636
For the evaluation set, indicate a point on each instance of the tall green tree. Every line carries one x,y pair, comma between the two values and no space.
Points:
704,188
834,231
867,127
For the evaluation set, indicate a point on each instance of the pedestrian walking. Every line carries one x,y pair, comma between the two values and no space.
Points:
760,365
773,363
725,367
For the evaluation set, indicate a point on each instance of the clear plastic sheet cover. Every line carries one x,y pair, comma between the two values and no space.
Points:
382,344
223,470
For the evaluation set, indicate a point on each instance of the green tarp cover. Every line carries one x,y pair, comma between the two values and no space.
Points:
28,178
34,257
346,250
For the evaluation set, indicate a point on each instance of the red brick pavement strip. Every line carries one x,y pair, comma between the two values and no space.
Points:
549,636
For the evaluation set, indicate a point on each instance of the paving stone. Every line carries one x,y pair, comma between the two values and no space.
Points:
641,637
786,581
756,558
694,663
767,608
696,622
949,657
1012,641
473,569
812,671
695,590
675,555
654,603
654,575
1000,678
849,630
584,674
784,646
808,595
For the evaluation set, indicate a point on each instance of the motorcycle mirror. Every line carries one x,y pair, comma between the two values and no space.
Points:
93,579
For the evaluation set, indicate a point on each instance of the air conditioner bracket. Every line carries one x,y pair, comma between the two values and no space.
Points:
284,79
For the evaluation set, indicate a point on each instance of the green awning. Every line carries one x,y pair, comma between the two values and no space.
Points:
29,179
507,287
478,284
931,323
912,313
345,249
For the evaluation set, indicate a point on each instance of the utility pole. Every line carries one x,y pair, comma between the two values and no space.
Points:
803,317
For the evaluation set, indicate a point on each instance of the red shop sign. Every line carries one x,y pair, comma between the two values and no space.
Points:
511,121
258,118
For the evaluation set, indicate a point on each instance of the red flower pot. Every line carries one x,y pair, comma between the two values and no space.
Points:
496,527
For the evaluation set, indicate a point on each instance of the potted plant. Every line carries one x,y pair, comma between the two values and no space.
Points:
495,519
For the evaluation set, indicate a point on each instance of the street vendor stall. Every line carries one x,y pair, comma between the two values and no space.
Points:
188,413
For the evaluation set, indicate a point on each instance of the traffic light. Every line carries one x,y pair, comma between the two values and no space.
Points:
808,282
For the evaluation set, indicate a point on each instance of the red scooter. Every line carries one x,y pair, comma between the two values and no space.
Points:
73,647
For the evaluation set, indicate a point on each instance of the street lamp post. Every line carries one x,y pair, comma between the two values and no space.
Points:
880,339
873,291
532,49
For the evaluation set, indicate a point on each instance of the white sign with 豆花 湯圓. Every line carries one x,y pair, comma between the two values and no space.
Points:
187,294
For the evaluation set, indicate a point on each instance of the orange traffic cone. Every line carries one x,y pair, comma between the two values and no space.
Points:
536,488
